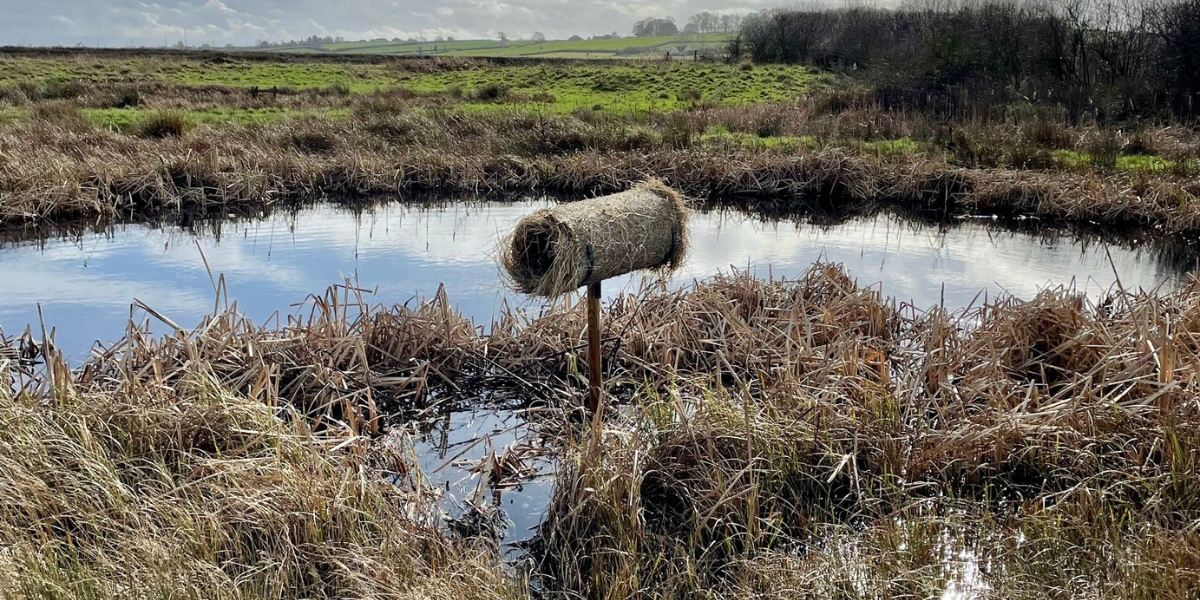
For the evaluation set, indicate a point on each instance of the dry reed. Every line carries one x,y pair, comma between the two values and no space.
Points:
139,488
775,421
59,171
780,436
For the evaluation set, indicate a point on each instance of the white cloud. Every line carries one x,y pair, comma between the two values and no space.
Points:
244,22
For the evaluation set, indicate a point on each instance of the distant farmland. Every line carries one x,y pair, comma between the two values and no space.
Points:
631,47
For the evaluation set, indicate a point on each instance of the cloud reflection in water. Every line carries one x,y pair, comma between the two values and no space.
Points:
86,286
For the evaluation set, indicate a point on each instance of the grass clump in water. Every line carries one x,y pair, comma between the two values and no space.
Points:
811,437
774,438
162,125
130,489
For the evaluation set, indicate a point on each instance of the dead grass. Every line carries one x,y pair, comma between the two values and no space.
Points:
162,125
812,439
139,487
770,437
54,172
832,151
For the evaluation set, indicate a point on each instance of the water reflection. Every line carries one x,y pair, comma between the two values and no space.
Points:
457,453
85,285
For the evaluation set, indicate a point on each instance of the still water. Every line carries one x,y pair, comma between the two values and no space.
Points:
84,287
451,448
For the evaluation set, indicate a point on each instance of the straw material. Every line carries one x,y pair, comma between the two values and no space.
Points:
555,251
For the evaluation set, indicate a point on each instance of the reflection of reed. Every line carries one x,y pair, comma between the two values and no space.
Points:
1175,254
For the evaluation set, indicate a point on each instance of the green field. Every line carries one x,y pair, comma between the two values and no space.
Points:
413,48
87,70
630,47
656,86
552,86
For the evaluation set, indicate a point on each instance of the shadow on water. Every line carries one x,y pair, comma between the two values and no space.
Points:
492,465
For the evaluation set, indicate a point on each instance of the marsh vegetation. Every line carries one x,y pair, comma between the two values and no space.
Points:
185,135
770,436
808,437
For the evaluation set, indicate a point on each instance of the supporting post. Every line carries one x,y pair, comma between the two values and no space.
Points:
594,355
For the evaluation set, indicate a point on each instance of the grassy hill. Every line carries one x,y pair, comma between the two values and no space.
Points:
631,47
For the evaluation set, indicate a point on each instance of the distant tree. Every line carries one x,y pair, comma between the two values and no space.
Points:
704,22
503,36
439,39
1177,26
538,37
731,23
652,27
449,38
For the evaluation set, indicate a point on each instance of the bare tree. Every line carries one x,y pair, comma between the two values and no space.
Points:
705,22
730,22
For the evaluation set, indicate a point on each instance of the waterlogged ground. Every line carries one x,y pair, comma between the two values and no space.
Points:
453,450
84,286
83,289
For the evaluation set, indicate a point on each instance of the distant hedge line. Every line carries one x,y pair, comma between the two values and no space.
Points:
1109,59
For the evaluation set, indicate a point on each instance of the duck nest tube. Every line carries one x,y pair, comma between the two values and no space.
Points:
558,250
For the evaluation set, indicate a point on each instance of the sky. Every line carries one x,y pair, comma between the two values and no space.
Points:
245,22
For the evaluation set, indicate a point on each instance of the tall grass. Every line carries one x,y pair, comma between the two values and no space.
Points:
193,491
58,172
771,438
813,438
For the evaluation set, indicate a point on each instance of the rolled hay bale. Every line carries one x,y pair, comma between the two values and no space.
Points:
557,250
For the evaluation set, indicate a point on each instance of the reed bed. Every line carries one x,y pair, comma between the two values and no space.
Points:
815,439
140,488
804,437
61,169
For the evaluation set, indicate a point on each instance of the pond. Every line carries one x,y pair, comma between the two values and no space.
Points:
83,287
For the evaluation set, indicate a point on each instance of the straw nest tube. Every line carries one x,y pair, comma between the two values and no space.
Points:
555,251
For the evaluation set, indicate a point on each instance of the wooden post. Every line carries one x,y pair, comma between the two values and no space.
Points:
594,354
